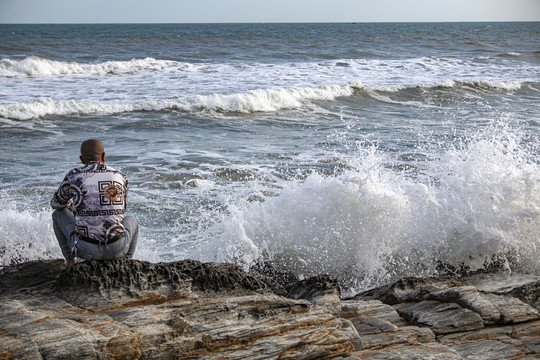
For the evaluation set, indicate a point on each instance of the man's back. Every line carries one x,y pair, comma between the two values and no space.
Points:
97,193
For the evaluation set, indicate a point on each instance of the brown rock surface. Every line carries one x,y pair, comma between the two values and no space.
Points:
129,309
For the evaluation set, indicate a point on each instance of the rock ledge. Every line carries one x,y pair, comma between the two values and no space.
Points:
129,309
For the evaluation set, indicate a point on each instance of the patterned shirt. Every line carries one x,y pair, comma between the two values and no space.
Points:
97,194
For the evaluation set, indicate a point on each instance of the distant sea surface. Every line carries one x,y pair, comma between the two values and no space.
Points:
364,151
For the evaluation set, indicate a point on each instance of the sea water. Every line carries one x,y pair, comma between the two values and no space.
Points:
364,151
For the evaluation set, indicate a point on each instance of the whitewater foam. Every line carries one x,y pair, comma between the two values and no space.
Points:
479,204
251,101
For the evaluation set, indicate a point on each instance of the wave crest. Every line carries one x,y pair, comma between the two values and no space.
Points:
260,100
34,66
267,100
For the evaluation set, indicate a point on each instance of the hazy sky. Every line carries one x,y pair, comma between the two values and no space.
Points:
189,11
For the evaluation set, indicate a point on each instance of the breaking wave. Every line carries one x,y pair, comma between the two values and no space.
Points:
261,100
34,66
476,207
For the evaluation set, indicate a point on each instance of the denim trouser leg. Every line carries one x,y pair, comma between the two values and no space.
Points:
132,234
64,229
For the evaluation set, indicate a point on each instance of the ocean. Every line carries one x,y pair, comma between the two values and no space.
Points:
367,151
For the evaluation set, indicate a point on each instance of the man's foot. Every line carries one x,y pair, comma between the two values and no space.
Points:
70,263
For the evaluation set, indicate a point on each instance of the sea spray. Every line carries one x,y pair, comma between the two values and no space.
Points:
480,203
371,222
26,235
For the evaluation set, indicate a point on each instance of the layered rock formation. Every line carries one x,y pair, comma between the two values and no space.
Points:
129,309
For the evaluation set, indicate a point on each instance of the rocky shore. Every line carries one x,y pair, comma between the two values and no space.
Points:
129,309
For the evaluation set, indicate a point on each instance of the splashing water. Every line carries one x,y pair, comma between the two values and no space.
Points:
478,203
29,235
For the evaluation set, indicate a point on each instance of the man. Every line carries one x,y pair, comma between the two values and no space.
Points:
89,220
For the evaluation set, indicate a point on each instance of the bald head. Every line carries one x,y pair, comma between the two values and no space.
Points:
92,150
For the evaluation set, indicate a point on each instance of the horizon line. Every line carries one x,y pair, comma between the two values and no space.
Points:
270,22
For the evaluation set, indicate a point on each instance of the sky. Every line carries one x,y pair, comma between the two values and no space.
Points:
218,11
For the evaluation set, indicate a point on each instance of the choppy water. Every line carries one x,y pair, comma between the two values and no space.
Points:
367,151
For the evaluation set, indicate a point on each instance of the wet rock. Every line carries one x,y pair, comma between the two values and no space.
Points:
408,289
442,318
528,293
29,275
135,276
223,277
321,291
283,278
96,284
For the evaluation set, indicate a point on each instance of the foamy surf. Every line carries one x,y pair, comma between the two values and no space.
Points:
478,205
264,100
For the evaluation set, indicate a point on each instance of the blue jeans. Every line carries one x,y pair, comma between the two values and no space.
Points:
72,246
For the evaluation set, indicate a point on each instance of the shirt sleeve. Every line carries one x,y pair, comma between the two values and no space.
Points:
62,196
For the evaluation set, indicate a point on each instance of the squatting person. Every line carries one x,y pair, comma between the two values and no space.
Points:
90,220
